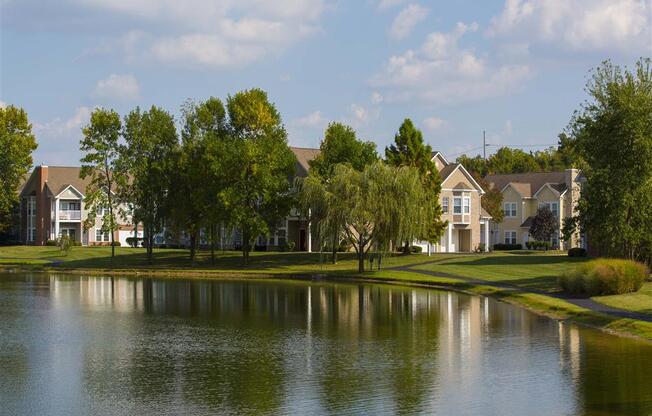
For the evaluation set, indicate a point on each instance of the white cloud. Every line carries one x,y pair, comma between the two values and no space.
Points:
58,139
589,25
3,104
441,71
386,4
406,20
117,88
376,98
433,123
224,34
314,120
360,116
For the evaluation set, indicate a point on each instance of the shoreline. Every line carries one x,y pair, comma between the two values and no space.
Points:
540,304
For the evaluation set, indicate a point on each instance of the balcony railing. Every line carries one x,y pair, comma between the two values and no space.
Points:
69,215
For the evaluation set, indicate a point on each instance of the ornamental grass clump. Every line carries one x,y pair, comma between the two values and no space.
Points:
604,277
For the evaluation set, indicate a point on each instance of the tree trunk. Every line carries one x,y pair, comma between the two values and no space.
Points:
361,257
406,248
334,257
212,245
193,240
148,231
380,259
245,248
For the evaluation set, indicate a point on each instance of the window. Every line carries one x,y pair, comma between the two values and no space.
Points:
99,236
509,208
467,205
552,206
510,237
457,205
70,206
444,205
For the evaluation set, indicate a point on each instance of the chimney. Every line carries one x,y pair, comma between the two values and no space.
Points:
570,175
42,206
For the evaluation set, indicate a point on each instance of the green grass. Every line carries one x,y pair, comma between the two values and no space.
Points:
640,301
177,260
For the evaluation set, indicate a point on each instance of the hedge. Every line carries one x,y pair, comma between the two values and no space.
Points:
577,252
604,277
508,246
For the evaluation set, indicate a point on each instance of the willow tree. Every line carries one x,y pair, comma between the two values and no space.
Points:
374,208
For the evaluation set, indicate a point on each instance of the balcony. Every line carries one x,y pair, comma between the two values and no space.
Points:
69,215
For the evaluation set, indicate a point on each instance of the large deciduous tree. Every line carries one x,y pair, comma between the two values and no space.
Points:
613,134
101,163
409,150
260,162
16,146
150,143
339,146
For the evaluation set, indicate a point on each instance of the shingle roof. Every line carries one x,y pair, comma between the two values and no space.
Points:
59,178
462,185
529,183
447,170
484,213
528,222
304,155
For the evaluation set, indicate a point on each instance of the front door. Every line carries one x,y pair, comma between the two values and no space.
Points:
302,240
70,232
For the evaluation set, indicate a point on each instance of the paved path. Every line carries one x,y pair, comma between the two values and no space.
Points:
582,302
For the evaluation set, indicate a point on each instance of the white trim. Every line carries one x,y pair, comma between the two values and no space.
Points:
547,184
468,176
510,209
65,189
459,190
446,162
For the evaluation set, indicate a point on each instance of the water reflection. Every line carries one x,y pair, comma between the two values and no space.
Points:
94,345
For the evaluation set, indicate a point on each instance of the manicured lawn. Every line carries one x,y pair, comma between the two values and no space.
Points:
178,260
640,301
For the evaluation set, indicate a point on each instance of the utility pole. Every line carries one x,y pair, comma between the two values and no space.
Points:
484,144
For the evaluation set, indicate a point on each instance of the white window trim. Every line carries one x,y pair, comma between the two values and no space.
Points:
444,205
455,206
510,233
466,205
507,209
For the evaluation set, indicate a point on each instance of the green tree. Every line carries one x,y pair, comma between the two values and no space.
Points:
16,146
340,145
151,140
476,166
410,150
544,224
492,200
259,193
101,163
507,160
612,133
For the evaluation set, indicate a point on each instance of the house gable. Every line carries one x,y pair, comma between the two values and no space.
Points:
460,175
70,192
440,160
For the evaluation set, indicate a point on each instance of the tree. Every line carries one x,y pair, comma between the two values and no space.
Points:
507,160
410,150
198,178
260,162
492,200
340,145
612,133
544,224
150,142
372,208
16,146
476,166
101,164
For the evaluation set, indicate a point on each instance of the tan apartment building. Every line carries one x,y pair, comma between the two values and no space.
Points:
525,193
460,199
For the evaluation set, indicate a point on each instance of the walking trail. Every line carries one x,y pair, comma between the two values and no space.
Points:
586,303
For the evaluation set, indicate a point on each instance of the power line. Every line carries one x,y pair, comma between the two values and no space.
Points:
484,146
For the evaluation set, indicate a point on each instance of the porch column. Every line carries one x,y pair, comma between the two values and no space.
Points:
449,241
56,218
309,245
486,235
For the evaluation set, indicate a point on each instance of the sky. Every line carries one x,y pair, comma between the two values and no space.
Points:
516,69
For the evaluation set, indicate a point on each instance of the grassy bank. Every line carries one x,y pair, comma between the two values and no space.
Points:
530,271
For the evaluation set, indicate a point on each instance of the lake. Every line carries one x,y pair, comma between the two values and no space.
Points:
73,345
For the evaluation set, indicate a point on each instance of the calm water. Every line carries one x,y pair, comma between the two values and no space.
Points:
130,346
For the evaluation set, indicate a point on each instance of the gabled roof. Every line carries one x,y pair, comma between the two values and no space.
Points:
528,184
58,179
462,185
437,154
448,170
484,213
528,222
304,155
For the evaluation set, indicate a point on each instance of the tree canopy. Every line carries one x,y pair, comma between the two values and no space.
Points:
17,142
340,145
612,133
544,224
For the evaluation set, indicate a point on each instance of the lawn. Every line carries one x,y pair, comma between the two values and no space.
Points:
178,260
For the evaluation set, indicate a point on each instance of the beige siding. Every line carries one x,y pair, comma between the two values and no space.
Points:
471,221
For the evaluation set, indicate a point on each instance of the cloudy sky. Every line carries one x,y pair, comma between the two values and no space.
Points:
515,68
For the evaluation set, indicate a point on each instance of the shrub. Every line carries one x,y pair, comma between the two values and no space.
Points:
51,243
505,247
416,249
290,245
76,243
604,277
115,244
135,241
577,252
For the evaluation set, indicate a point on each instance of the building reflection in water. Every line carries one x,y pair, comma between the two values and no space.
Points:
261,347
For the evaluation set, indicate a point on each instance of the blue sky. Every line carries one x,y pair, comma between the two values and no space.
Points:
515,68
